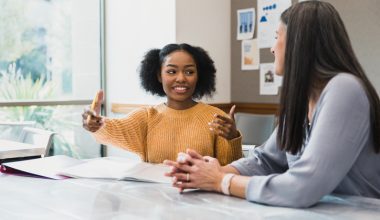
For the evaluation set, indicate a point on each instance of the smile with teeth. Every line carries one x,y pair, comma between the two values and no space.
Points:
180,89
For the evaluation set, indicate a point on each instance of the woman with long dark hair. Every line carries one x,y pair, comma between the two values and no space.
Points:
327,139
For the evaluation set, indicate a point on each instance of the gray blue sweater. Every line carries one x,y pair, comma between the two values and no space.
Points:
337,157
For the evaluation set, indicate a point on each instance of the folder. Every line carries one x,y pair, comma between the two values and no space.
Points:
48,167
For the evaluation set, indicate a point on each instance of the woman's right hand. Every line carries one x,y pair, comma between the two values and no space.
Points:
91,118
91,122
195,171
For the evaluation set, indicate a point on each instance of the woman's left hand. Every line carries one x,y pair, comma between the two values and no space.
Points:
225,126
197,172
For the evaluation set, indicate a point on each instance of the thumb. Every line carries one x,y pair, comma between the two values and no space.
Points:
232,112
194,154
97,102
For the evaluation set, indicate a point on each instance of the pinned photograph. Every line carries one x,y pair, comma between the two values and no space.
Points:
246,23
269,77
269,81
250,55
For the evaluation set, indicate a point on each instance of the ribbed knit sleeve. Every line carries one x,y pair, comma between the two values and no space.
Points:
227,151
128,133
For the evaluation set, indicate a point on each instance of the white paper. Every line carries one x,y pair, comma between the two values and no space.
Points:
250,55
268,79
278,80
246,23
268,16
111,168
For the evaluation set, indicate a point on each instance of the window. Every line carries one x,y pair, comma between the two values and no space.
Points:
50,68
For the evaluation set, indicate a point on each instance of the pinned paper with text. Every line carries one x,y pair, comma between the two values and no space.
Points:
268,17
246,23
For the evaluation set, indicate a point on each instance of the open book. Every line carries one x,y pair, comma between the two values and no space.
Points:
119,169
61,167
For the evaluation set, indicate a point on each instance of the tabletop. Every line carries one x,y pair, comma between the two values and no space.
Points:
39,198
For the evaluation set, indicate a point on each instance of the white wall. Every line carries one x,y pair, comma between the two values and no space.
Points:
85,49
128,36
206,23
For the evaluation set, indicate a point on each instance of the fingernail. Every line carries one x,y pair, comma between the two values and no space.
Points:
181,157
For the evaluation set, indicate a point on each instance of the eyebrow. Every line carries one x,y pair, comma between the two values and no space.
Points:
172,65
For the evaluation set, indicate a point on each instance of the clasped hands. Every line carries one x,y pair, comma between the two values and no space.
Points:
192,170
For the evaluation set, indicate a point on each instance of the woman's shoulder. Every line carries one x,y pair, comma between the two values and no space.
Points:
345,81
345,84
145,110
210,108
345,88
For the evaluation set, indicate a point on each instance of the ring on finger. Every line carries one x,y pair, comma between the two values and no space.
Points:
187,177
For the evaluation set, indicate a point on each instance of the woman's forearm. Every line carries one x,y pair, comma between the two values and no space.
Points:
238,183
238,186
230,169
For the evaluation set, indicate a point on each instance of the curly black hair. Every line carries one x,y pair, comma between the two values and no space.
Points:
151,66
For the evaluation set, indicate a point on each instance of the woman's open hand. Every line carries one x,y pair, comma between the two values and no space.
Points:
224,125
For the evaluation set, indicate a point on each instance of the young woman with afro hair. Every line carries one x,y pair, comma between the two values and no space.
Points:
183,74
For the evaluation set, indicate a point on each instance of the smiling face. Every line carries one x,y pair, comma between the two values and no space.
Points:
179,78
278,49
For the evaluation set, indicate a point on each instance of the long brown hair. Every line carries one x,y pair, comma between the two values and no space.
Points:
317,49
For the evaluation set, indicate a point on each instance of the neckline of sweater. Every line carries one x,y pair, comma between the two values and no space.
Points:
174,112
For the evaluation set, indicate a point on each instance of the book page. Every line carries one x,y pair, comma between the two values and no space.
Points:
100,168
148,173
119,169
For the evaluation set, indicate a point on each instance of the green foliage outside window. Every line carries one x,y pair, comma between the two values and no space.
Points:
14,86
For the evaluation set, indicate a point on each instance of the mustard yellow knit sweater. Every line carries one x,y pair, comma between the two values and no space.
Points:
159,132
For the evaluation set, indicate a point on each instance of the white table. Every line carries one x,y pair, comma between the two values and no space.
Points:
247,148
13,149
37,198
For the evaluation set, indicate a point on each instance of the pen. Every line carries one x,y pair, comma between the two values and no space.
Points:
93,105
